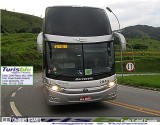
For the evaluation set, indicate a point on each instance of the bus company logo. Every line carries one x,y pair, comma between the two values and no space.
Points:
84,79
81,39
16,69
85,90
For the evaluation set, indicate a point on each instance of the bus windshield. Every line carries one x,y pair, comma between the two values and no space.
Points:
77,60
76,21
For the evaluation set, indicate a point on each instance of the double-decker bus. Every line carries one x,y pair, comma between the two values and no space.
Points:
78,55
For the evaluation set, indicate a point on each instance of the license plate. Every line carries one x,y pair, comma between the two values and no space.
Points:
85,98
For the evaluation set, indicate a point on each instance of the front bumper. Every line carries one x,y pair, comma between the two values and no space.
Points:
59,98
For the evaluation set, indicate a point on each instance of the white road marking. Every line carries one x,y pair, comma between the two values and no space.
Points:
14,109
13,94
19,88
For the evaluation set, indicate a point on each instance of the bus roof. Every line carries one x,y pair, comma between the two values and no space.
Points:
76,21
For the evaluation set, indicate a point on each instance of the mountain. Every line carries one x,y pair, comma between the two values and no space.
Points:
13,22
142,31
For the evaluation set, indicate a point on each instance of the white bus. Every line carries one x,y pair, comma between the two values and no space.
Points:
78,55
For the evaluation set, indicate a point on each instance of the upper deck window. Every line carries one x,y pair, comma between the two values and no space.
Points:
76,21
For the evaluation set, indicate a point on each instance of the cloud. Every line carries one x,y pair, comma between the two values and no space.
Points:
137,12
129,12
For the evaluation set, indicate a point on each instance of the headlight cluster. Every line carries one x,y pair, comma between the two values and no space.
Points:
51,85
55,88
111,84
108,83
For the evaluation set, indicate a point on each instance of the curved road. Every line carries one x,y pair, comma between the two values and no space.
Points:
30,101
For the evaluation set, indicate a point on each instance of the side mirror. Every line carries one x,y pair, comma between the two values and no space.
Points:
40,42
121,39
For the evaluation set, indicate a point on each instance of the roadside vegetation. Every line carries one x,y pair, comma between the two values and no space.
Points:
20,50
13,22
142,65
145,55
146,59
145,81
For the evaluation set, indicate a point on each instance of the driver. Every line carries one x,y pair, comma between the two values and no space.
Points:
96,62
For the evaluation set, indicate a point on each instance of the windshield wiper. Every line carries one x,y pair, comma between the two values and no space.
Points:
96,74
61,74
56,76
50,50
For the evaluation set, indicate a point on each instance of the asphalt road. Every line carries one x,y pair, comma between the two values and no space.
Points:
30,101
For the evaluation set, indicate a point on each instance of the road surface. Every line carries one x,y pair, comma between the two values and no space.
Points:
30,101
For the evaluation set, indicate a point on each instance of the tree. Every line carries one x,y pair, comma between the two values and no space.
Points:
3,29
23,30
36,30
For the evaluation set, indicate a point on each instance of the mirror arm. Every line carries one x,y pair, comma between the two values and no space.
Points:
121,39
40,42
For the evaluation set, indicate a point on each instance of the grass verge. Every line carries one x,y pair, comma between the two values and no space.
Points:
144,65
146,81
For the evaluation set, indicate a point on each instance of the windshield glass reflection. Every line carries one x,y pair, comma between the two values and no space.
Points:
76,60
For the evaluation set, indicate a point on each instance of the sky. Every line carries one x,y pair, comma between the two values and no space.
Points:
129,12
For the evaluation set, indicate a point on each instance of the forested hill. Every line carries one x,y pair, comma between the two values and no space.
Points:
142,31
13,22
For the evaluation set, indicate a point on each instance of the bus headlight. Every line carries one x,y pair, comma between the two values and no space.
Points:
51,85
55,88
111,84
